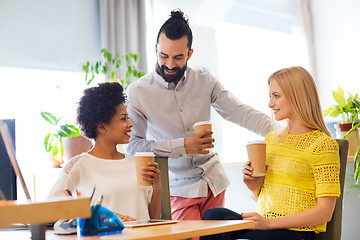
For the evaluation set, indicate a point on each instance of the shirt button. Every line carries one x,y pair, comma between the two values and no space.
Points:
180,155
181,110
187,129
177,90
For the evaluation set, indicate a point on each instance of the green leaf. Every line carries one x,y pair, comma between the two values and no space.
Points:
328,111
136,57
339,97
87,66
113,74
134,72
49,138
108,57
356,102
127,58
351,130
97,67
141,74
57,147
90,80
111,80
50,118
68,130
356,164
335,113
105,68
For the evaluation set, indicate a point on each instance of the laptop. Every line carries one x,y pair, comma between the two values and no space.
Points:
146,223
10,148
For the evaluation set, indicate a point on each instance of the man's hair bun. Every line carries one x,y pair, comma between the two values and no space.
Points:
178,14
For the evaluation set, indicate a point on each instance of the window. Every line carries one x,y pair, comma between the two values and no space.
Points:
241,43
24,93
247,57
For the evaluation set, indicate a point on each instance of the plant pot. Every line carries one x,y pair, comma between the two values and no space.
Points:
353,138
74,146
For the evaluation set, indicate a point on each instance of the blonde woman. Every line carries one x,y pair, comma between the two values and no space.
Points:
297,196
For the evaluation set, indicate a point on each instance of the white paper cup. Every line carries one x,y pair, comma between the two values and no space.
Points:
141,160
257,156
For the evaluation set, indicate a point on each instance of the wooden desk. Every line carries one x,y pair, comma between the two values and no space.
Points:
181,230
37,214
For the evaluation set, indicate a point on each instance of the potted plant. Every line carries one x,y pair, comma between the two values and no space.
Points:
113,68
53,141
349,109
355,129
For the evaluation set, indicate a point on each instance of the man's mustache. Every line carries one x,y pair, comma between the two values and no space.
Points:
173,69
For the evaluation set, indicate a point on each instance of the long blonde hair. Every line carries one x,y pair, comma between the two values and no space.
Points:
299,88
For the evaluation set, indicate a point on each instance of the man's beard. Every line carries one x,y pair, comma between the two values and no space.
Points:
171,78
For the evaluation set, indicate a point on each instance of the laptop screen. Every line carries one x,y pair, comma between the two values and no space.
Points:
7,173
7,157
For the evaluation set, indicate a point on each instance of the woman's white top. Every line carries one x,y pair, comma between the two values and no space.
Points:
114,179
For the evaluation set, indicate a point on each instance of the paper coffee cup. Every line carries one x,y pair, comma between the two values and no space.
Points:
199,126
141,160
257,156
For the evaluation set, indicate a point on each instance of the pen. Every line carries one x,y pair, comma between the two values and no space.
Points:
97,208
92,194
77,193
67,192
100,201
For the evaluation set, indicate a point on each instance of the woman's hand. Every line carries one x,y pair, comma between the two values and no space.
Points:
247,171
152,174
125,218
260,222
253,183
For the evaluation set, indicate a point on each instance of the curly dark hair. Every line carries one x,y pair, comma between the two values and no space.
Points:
98,104
176,27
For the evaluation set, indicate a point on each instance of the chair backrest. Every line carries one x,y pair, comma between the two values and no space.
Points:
333,228
165,194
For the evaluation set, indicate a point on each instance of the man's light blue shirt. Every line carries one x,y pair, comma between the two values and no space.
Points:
163,115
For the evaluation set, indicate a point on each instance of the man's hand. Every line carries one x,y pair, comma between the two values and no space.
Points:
198,143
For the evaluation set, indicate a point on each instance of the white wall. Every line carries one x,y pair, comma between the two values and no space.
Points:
54,35
337,39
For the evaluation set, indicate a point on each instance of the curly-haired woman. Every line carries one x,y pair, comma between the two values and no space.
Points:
102,116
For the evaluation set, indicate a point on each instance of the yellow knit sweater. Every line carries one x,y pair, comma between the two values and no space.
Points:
300,169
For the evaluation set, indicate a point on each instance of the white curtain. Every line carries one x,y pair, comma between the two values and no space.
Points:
308,27
123,27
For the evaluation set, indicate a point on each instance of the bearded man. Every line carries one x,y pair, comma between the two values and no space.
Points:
164,105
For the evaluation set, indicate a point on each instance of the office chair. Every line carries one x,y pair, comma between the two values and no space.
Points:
333,228
165,194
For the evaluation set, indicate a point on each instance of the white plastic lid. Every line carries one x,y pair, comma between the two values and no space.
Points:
201,123
255,142
145,154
